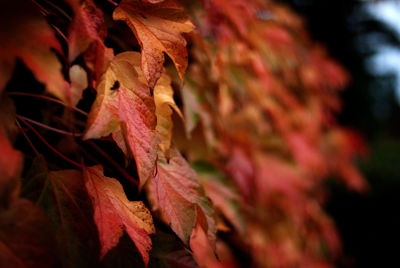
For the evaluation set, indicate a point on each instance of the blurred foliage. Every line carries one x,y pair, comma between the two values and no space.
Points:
368,223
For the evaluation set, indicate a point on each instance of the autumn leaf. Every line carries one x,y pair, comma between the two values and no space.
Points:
63,197
26,35
123,103
163,98
223,195
86,27
158,28
175,192
203,251
113,213
86,35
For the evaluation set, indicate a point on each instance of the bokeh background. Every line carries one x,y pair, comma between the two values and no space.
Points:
365,37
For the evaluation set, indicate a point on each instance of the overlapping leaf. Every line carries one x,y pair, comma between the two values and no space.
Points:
123,101
113,213
158,26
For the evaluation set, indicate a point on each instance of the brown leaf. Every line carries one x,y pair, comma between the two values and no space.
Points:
113,213
26,35
158,28
124,101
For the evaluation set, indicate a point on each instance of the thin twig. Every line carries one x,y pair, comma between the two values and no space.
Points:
60,33
49,127
50,146
27,138
42,9
50,3
113,163
49,99
112,2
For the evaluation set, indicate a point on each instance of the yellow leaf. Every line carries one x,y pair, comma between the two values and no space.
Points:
163,98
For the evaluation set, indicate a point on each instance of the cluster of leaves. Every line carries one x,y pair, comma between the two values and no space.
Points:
225,154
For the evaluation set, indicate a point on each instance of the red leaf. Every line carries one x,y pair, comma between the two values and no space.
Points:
87,32
113,213
176,191
203,251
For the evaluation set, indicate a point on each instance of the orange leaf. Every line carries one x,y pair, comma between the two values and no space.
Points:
123,100
158,28
113,213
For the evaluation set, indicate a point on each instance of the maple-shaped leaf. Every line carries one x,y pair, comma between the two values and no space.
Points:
124,103
158,28
164,100
25,34
113,213
176,191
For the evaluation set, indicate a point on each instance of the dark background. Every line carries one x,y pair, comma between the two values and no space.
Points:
368,223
